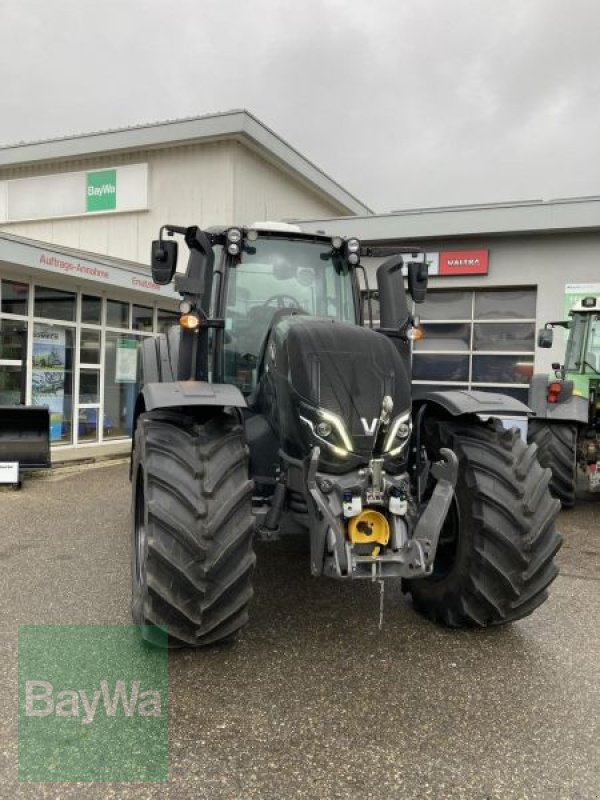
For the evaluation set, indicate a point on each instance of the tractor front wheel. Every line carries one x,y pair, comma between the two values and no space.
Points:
192,528
495,557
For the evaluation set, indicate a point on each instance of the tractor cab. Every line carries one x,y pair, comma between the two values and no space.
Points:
276,273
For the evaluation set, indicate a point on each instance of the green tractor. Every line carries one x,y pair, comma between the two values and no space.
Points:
271,409
566,426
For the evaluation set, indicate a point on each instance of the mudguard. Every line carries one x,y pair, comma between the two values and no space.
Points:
462,401
191,393
573,409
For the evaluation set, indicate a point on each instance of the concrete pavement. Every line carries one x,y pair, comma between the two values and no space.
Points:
314,701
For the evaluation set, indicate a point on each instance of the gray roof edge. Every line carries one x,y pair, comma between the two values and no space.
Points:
531,216
153,135
59,249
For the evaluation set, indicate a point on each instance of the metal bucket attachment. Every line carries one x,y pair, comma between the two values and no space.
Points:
25,436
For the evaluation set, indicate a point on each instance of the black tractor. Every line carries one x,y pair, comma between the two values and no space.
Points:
272,408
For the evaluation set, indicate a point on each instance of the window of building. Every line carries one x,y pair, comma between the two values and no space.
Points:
91,309
142,318
15,297
165,319
481,339
117,314
54,304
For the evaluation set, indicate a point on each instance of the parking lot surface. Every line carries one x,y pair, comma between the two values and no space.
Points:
314,701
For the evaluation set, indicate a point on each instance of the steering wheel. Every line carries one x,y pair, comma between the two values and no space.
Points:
282,301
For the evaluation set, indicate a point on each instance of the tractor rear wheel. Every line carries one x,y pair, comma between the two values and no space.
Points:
192,528
557,449
495,557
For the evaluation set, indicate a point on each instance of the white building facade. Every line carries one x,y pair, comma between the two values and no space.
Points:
77,217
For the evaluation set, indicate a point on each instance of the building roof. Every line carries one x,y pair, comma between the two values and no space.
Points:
527,216
237,124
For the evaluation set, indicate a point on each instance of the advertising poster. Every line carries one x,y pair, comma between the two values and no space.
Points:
48,375
126,363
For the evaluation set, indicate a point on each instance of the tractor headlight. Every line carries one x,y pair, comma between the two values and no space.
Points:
398,434
353,252
328,429
234,239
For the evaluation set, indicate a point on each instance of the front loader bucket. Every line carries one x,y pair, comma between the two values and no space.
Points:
25,436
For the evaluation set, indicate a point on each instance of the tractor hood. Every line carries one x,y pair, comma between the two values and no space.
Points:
328,380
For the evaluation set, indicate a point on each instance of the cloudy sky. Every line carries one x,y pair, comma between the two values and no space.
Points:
406,103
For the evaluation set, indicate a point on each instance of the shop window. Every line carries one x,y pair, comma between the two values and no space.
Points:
15,297
54,303
444,336
515,336
142,319
117,314
440,368
89,386
505,304
120,387
166,319
502,369
13,340
89,348
446,305
11,378
52,377
91,309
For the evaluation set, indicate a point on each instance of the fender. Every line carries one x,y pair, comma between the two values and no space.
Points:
181,394
487,404
573,409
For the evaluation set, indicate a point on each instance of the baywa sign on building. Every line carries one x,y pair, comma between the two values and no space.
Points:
68,194
101,194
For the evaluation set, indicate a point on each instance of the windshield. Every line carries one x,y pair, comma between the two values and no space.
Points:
583,347
279,274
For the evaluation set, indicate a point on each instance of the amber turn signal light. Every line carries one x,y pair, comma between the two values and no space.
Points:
189,321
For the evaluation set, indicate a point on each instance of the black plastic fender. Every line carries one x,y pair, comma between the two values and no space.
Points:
462,401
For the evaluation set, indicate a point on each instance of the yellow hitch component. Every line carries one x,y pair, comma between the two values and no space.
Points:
369,526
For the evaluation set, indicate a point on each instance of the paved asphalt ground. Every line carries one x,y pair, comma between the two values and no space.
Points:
314,701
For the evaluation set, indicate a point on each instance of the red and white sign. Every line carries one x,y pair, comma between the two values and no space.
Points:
464,262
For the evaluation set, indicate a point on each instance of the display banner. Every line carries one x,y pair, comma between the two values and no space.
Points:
48,375
126,361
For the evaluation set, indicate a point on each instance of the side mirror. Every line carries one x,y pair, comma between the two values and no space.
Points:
417,280
164,261
545,337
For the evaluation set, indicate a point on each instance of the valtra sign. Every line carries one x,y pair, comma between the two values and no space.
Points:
463,262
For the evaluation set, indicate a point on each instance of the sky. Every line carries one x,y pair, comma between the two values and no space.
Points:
407,104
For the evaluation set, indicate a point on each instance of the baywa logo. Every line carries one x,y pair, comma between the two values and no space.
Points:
93,704
41,699
101,190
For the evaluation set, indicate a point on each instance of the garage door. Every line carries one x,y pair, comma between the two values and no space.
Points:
477,339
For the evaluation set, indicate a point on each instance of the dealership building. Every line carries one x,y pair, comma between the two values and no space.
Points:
77,216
